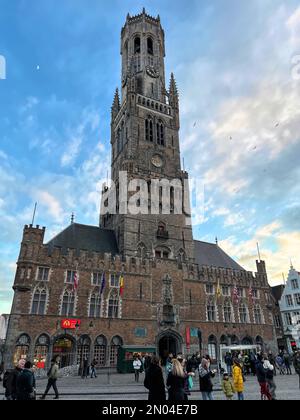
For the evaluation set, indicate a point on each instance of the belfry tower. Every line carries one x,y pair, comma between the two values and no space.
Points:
145,144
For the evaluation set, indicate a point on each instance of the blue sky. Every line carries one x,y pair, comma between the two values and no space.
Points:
240,117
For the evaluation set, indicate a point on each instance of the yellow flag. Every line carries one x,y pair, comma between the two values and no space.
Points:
219,291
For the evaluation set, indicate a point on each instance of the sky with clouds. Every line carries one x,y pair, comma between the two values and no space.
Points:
236,68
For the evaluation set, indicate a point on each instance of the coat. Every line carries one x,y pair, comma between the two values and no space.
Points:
154,382
176,390
297,364
238,380
205,381
228,388
25,385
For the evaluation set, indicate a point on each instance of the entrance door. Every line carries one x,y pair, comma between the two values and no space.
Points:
63,347
167,345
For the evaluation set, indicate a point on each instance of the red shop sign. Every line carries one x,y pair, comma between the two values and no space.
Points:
70,324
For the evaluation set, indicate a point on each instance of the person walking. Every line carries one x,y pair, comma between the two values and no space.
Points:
273,362
175,382
297,364
154,381
287,363
137,364
262,379
26,384
11,381
93,369
52,378
188,378
269,369
85,369
205,380
228,387
280,364
229,363
238,380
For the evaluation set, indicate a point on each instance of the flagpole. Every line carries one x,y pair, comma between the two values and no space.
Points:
35,206
258,251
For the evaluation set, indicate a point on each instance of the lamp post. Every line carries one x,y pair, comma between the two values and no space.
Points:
200,341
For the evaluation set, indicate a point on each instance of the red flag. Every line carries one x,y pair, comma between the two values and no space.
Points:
188,337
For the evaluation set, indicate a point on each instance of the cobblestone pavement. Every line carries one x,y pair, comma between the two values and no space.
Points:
123,387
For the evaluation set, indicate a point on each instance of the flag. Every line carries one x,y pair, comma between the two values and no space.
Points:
102,283
218,291
251,294
235,295
75,281
188,338
121,282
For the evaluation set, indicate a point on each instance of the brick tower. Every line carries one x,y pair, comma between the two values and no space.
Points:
145,145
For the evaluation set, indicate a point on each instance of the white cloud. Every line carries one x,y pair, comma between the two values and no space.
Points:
52,204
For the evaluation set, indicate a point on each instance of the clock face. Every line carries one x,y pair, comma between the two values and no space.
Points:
157,161
152,72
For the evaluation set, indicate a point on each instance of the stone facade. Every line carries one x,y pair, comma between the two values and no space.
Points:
171,291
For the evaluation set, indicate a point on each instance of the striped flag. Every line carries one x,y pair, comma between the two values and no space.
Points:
235,295
121,283
102,283
75,281
251,294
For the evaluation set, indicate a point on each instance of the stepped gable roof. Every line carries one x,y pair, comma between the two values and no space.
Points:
85,238
211,255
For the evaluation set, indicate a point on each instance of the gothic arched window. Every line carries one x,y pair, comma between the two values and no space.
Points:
150,46
95,305
257,314
68,303
119,140
212,347
113,304
243,312
100,349
149,129
137,45
39,302
227,311
211,311
115,344
160,133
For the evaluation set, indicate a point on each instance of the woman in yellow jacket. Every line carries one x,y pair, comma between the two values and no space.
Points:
238,380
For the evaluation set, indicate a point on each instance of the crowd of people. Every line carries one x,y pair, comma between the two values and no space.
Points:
175,377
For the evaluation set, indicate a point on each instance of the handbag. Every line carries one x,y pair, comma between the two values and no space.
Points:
191,383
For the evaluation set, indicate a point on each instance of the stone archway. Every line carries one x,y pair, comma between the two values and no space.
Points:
167,342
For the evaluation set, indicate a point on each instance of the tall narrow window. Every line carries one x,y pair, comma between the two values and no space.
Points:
257,314
113,304
137,45
95,306
160,134
39,302
243,313
150,46
149,130
68,304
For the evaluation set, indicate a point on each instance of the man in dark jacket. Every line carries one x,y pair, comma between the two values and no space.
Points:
11,383
26,383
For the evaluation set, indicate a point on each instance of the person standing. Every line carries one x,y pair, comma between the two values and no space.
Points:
11,383
228,387
137,364
26,384
238,380
175,382
262,379
280,364
85,368
1,370
93,369
154,381
188,378
269,369
205,380
297,365
272,361
52,379
228,362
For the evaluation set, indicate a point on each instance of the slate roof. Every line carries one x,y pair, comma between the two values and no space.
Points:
212,255
85,238
277,292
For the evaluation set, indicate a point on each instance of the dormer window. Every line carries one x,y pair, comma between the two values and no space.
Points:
137,45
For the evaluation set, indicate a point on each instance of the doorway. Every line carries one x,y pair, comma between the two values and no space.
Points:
64,348
168,343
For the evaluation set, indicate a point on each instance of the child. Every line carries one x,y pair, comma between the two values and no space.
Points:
228,387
